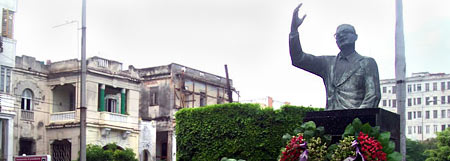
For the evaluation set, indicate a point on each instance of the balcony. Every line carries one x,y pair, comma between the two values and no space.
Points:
114,119
66,116
27,115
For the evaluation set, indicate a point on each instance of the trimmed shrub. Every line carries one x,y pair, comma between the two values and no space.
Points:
235,130
112,153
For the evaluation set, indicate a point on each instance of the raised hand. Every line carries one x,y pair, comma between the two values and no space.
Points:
296,22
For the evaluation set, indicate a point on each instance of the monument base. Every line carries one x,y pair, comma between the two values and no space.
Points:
335,121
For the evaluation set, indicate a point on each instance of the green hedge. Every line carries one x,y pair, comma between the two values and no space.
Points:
235,130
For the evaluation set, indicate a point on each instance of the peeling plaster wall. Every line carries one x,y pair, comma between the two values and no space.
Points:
147,140
26,76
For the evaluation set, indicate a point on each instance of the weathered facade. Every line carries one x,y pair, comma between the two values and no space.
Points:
8,9
48,114
165,90
133,108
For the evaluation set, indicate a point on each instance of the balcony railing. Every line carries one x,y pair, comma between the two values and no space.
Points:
63,116
27,115
114,119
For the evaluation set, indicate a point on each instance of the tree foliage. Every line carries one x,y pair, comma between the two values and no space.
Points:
415,150
442,151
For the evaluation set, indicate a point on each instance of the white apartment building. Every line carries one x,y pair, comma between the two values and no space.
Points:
427,103
7,55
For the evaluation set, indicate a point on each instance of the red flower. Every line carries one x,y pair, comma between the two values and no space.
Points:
371,148
293,150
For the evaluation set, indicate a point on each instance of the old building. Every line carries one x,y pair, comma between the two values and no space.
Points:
165,90
7,99
48,121
427,103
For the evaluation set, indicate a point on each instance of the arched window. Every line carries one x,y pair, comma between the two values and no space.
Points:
27,100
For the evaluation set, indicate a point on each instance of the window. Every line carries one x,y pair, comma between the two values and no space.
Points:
154,96
389,103
435,113
448,113
435,129
442,99
409,88
419,129
419,87
414,89
419,114
419,101
427,100
384,103
414,101
435,86
202,99
409,101
448,99
448,85
409,129
442,127
434,100
414,127
409,116
5,79
111,105
427,129
7,23
384,89
427,87
394,89
394,103
27,100
427,114
414,115
442,86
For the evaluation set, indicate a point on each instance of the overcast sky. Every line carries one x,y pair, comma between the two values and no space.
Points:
251,36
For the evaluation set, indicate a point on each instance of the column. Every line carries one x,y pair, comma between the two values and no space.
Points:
123,102
102,97
169,145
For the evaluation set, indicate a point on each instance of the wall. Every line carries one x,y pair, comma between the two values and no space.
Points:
30,78
147,139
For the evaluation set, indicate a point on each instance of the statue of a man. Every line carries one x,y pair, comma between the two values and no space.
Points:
351,80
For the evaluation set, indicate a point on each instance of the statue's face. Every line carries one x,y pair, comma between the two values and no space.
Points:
345,35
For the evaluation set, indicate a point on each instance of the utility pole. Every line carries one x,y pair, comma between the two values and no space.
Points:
83,85
230,94
400,70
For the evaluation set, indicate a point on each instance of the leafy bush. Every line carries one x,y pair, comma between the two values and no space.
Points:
442,151
235,130
112,153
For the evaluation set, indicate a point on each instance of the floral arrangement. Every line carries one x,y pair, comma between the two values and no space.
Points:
360,142
294,149
310,143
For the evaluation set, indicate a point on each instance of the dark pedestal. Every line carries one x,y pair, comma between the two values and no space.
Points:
335,121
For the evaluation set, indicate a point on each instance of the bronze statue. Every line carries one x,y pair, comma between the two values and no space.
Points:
351,80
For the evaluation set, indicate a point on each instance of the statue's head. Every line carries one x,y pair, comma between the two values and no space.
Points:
345,35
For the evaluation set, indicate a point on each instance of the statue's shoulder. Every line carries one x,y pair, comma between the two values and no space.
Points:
368,62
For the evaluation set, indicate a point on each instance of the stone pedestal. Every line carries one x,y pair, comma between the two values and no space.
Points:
335,121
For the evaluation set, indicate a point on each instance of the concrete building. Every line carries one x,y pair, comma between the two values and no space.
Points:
165,90
427,103
7,55
48,114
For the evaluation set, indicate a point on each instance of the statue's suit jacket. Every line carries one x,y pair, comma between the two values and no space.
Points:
358,87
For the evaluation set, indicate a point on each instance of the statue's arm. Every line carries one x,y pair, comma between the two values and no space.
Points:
300,59
372,85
